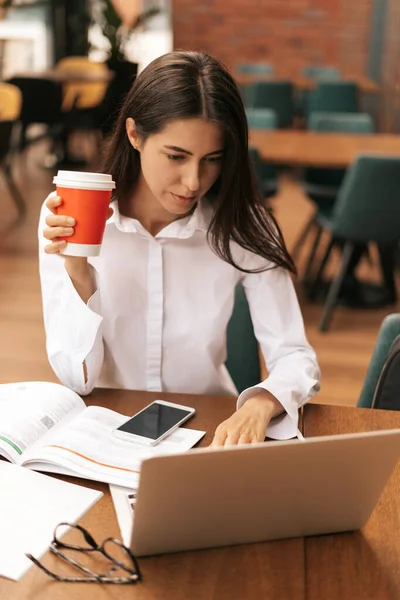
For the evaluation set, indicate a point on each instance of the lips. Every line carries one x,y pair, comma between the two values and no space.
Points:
183,199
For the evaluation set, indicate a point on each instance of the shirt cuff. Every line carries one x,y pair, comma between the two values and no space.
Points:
284,426
73,336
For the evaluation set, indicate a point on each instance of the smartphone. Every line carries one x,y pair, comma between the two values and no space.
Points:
154,423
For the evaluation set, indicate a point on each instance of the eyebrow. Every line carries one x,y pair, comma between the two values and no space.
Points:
177,149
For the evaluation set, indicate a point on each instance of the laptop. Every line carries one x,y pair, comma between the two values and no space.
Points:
211,497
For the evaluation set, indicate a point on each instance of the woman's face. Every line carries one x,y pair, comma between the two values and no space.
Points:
181,162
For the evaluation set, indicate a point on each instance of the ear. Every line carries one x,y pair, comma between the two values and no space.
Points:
132,133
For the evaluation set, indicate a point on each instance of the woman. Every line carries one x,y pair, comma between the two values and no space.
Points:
187,226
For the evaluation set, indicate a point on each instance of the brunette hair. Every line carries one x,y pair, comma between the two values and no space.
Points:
183,85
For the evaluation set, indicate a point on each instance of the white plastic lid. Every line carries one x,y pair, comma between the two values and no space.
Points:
84,181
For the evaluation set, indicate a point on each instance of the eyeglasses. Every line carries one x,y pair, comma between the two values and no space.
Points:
111,548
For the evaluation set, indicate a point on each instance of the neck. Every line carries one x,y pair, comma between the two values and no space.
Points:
143,206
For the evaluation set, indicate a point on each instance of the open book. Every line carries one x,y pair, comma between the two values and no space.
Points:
47,427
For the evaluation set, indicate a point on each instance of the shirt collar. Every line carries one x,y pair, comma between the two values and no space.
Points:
199,220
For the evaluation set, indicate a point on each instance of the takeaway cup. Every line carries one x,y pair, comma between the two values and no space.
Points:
86,197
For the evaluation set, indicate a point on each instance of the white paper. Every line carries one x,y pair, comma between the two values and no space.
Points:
31,505
124,498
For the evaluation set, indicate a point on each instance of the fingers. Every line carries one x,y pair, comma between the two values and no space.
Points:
50,233
59,221
55,247
219,437
232,438
244,439
57,226
53,202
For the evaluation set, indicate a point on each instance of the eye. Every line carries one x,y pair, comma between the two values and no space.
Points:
175,156
213,159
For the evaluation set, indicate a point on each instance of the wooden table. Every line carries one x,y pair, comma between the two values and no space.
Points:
337,567
315,149
363,565
365,85
70,75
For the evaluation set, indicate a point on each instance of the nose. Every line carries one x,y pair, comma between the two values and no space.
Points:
191,177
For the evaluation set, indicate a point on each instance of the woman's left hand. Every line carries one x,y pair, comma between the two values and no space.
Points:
249,424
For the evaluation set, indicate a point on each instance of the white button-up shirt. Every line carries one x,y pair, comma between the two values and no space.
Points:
158,318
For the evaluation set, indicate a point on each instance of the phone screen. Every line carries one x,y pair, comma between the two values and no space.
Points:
154,421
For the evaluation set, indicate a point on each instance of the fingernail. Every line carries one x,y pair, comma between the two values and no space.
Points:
68,230
71,221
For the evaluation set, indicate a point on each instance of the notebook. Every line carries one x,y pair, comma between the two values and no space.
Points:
31,505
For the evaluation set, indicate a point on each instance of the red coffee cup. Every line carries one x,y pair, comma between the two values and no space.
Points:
86,197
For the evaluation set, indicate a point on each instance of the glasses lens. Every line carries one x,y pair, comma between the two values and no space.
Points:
78,538
120,555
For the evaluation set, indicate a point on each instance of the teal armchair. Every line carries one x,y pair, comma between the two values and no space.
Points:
322,185
321,72
275,95
367,210
389,330
243,360
261,68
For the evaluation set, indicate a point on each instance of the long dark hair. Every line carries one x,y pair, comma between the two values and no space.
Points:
182,85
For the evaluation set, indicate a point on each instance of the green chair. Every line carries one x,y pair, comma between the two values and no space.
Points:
322,185
256,68
261,118
367,210
265,174
340,122
333,96
275,95
321,72
389,330
243,360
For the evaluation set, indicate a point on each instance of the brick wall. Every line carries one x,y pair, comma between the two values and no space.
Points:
390,97
288,33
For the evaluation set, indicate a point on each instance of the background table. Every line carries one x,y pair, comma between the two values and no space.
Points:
312,149
70,75
360,565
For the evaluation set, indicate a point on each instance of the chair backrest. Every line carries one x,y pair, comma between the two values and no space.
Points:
41,100
6,132
82,94
389,330
10,102
321,72
261,118
256,68
345,122
368,204
277,96
243,360
333,96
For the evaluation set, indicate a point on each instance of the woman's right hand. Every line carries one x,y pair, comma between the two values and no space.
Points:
57,226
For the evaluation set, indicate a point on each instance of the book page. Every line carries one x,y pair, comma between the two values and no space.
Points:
28,410
87,447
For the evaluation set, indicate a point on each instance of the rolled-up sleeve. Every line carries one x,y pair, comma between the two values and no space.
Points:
292,365
73,328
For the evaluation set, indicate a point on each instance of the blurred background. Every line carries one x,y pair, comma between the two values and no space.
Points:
320,80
